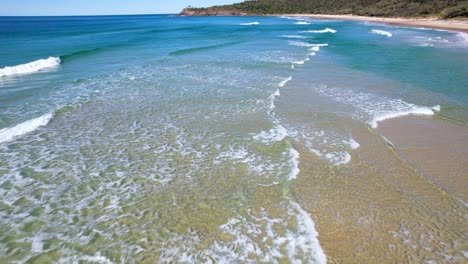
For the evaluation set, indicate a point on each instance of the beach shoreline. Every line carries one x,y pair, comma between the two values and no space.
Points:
434,23
433,146
371,209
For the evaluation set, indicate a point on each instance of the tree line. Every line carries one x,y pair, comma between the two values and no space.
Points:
385,8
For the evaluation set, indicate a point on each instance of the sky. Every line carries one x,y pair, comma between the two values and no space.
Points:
100,7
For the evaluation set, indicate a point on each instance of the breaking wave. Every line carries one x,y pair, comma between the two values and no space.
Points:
10,133
30,67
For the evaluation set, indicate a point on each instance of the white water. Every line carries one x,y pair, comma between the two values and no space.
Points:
30,67
326,30
302,23
293,36
283,82
381,32
416,110
250,24
305,44
10,133
373,108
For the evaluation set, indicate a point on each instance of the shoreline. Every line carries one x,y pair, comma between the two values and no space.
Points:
372,209
433,146
455,25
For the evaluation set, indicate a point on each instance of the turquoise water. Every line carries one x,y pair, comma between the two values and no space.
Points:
164,138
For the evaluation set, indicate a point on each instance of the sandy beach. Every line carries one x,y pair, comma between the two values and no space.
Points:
456,25
437,148
372,209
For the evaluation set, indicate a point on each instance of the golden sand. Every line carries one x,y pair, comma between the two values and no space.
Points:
457,25
380,209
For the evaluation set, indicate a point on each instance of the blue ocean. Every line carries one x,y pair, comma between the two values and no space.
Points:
168,139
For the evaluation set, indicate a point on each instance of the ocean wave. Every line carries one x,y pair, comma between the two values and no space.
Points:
326,30
301,62
316,48
381,32
463,37
293,36
250,23
372,108
416,110
30,67
305,44
458,40
302,23
204,48
283,82
10,133
80,53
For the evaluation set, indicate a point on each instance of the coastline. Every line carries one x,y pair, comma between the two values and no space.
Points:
455,25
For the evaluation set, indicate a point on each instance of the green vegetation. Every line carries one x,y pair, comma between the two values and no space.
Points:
387,8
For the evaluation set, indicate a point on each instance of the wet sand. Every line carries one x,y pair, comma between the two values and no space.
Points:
457,25
381,208
435,147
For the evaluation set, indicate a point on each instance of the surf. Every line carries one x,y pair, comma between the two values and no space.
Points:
326,30
30,67
381,32
10,133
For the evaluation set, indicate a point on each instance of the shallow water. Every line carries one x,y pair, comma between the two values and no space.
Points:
161,138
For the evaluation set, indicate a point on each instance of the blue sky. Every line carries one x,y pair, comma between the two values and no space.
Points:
99,7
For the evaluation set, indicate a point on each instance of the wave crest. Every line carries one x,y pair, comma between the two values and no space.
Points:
10,133
250,23
326,30
381,32
30,67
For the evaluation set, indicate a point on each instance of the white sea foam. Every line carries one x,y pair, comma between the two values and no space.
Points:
273,98
98,258
353,144
373,107
306,227
301,62
457,40
293,36
250,23
277,133
302,23
416,110
381,32
305,44
30,67
463,36
283,82
294,162
326,30
10,133
295,245
300,44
